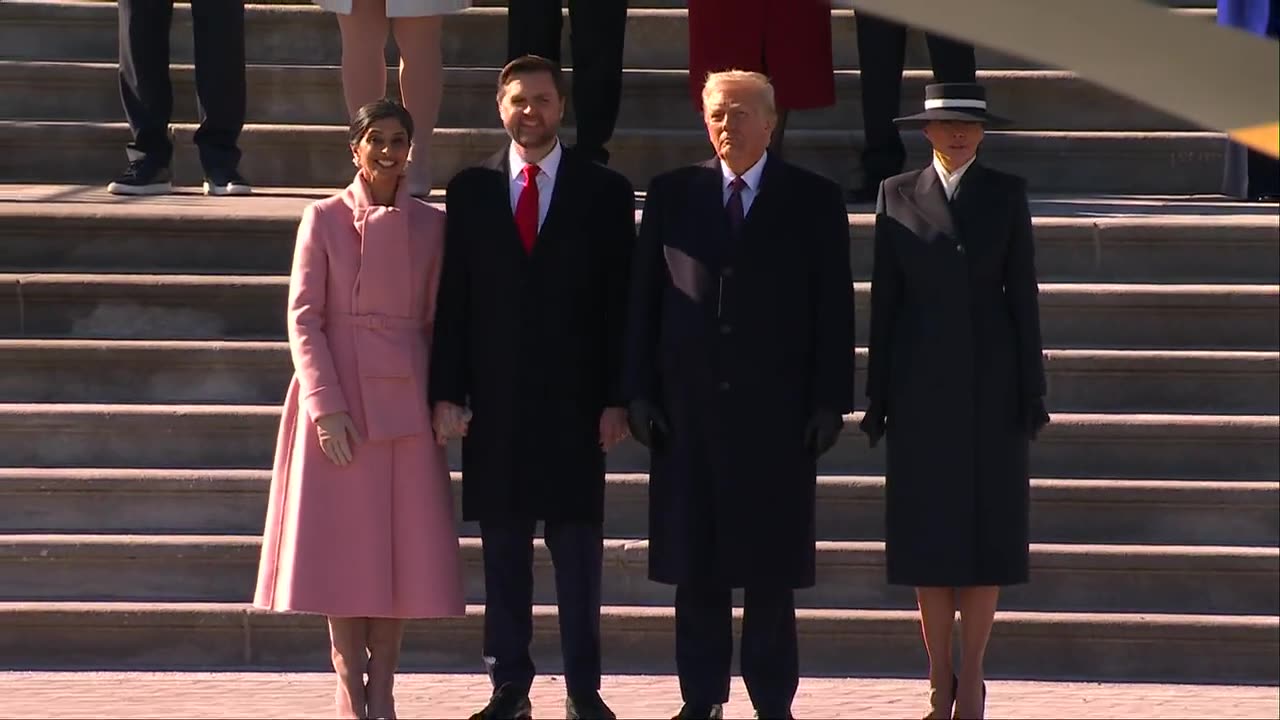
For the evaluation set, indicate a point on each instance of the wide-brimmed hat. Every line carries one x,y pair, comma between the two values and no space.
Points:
953,101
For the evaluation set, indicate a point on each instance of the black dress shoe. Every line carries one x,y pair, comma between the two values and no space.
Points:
706,712
587,707
507,703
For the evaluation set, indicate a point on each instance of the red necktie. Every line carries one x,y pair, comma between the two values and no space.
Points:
527,208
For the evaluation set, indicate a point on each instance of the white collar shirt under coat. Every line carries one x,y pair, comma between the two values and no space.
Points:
751,177
951,181
547,169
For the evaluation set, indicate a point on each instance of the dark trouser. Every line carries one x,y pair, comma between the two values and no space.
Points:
220,85
577,551
881,48
704,646
596,31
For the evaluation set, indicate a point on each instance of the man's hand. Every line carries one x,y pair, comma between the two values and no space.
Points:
613,427
449,421
648,425
822,431
338,437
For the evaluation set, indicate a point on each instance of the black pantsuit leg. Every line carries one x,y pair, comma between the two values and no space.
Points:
145,89
704,646
576,552
508,602
881,51
597,33
220,81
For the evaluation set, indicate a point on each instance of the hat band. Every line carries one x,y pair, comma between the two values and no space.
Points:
947,103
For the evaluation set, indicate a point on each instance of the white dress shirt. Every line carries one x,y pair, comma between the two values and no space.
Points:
751,177
547,168
951,181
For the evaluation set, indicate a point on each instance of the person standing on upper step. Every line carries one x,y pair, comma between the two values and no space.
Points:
1249,174
956,384
360,525
739,370
881,55
787,40
527,369
147,94
416,25
597,29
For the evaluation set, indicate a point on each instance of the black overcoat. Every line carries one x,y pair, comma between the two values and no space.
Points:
533,342
955,361
739,343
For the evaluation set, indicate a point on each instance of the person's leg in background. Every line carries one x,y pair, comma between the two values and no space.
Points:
881,46
147,96
421,85
220,88
597,32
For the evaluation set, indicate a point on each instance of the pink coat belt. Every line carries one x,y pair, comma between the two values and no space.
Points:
391,358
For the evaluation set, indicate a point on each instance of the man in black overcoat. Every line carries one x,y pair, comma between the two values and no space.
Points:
739,370
526,363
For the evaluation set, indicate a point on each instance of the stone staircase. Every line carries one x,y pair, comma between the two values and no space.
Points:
142,347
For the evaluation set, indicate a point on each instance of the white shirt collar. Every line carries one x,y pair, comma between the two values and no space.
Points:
951,180
751,176
548,165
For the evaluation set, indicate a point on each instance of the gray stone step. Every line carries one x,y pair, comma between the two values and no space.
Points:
1075,445
305,35
256,372
133,501
72,228
1087,578
1072,315
316,155
1036,100
1132,647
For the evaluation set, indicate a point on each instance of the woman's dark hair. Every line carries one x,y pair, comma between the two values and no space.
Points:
377,110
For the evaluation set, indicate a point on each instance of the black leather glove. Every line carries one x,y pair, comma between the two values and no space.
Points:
1033,417
648,424
874,422
822,432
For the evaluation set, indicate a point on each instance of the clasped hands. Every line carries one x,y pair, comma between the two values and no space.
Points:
450,421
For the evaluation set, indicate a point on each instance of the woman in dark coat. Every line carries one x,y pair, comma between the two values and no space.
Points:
787,40
956,384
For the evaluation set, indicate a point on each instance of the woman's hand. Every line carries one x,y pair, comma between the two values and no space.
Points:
449,421
338,437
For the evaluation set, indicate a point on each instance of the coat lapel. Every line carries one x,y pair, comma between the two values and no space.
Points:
562,192
499,198
928,198
714,220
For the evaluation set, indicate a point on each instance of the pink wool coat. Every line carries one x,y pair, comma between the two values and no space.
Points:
376,538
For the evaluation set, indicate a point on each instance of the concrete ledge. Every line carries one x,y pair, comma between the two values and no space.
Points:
1242,649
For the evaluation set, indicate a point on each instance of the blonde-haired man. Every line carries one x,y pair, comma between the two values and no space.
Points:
739,368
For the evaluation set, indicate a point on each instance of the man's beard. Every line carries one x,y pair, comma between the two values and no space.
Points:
533,137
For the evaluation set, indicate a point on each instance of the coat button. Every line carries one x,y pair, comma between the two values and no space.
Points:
724,385
726,328
960,249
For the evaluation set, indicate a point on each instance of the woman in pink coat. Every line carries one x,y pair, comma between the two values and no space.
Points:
360,523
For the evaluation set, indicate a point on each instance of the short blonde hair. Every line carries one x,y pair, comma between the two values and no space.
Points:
717,81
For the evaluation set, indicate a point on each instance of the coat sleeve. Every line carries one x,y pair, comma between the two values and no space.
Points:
321,394
648,269
621,214
1022,293
886,299
834,309
448,381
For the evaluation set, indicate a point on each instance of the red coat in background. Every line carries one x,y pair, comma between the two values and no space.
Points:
788,40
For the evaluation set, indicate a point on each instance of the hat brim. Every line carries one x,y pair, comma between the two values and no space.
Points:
923,118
